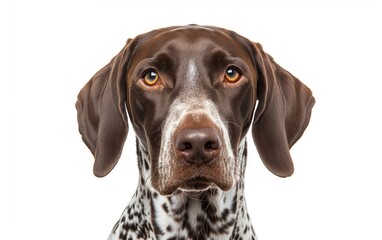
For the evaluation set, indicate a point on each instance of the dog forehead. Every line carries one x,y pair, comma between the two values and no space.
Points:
191,33
191,39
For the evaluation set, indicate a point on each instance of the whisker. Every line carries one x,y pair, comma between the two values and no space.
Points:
235,124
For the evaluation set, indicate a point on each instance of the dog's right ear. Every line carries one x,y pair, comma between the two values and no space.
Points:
101,113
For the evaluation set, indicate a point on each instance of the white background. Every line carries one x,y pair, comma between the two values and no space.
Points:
49,50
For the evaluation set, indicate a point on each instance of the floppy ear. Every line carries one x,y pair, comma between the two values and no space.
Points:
101,113
282,114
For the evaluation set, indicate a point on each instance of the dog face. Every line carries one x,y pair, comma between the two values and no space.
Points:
181,96
191,93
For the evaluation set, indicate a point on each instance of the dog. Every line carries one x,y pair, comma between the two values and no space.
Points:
191,94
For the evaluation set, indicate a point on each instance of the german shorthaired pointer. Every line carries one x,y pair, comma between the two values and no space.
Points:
190,93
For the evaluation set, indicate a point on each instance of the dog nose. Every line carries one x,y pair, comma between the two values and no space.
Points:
197,145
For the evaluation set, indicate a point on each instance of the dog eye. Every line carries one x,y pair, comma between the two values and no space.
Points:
232,75
151,78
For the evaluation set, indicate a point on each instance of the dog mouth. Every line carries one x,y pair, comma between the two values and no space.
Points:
191,178
197,184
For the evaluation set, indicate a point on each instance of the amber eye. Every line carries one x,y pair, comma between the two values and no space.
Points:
151,78
232,75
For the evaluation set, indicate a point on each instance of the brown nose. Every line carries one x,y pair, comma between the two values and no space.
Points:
197,145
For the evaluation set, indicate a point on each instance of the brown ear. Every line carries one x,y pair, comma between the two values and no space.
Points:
282,114
101,113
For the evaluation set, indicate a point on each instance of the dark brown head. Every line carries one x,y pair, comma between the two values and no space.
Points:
190,93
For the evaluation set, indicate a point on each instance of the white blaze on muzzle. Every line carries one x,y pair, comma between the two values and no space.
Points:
179,110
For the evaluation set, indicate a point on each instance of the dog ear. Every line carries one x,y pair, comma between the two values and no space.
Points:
282,114
101,113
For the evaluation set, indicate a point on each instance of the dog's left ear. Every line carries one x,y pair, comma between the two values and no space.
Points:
282,114
101,113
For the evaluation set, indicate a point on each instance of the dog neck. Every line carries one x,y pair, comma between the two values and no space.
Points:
209,214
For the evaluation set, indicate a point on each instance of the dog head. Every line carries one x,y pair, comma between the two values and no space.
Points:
191,94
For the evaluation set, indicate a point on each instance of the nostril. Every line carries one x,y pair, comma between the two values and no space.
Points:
185,146
212,145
